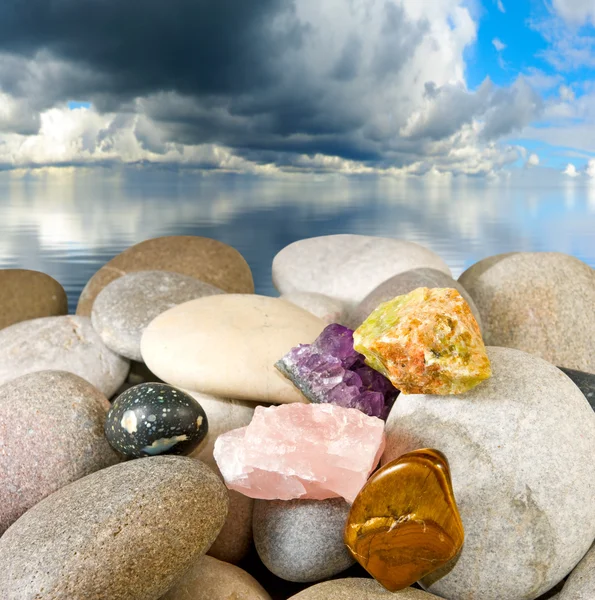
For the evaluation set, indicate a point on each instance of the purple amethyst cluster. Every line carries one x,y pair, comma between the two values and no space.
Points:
330,370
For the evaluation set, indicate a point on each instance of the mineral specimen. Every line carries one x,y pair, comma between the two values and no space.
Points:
425,342
331,371
300,450
404,524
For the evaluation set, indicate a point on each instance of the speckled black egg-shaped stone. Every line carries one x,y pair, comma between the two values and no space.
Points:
155,418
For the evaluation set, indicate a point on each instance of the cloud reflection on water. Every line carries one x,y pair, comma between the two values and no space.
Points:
69,222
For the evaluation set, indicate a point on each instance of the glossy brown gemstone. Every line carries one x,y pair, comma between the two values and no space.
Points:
405,523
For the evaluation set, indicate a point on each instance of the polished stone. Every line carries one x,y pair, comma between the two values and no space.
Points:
155,418
404,524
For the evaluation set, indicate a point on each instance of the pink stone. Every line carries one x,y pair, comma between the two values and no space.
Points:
315,451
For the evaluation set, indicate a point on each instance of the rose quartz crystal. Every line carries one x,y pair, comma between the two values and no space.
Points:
300,450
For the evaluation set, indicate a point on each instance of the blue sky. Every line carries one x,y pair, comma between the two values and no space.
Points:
477,88
515,38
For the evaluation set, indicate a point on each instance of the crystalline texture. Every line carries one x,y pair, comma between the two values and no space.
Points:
425,342
330,370
315,451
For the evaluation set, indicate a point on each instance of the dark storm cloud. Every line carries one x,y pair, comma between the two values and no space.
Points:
272,80
142,46
239,66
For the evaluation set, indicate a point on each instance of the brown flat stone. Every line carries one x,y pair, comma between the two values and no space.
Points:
206,259
358,589
212,579
28,295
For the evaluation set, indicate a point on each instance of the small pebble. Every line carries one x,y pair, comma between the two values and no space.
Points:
155,418
302,540
212,579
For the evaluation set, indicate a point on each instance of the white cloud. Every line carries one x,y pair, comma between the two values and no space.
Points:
542,81
533,160
576,12
498,44
590,169
569,48
571,171
566,93
500,6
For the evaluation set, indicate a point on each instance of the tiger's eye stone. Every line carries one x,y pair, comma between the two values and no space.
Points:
405,523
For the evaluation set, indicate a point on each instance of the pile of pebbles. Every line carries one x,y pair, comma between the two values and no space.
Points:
78,520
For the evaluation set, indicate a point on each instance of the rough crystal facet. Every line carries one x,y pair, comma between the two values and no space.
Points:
330,370
425,342
405,524
300,450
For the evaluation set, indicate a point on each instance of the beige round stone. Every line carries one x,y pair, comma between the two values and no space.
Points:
228,345
358,589
128,532
328,309
539,302
212,579
28,295
224,414
206,259
235,539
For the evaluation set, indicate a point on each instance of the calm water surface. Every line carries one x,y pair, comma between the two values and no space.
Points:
70,223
